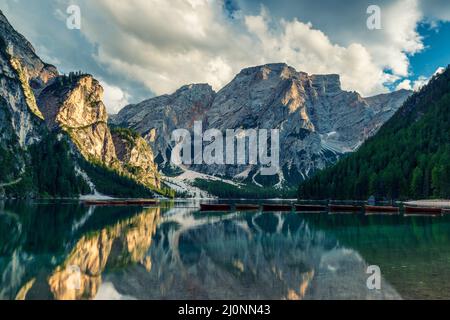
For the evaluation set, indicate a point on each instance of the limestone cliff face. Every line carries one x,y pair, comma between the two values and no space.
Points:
20,113
136,157
75,105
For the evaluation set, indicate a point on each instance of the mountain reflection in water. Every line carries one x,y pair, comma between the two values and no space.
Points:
68,251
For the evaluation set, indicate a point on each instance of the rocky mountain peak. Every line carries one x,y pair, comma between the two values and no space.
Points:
318,121
19,47
73,102
269,72
330,83
198,95
194,88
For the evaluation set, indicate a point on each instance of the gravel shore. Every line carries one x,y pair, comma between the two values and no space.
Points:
430,203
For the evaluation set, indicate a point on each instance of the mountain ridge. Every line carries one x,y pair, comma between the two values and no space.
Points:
317,120
319,116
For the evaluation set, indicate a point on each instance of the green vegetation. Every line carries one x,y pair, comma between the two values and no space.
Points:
66,81
227,191
408,158
110,182
49,172
167,192
53,168
11,156
125,133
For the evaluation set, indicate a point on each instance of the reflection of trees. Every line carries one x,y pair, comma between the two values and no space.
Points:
10,231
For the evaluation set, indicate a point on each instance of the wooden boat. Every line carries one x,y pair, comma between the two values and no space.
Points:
141,202
382,209
309,208
215,207
120,202
344,208
423,210
104,203
277,207
247,207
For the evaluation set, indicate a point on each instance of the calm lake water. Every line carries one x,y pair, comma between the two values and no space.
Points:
65,250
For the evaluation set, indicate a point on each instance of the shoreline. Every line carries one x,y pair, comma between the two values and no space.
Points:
430,203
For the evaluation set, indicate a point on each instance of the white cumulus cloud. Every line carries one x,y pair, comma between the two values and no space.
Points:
419,83
114,97
140,47
168,45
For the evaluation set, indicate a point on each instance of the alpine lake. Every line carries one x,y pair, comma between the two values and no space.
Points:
67,250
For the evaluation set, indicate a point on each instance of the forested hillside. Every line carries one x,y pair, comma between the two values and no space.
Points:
408,158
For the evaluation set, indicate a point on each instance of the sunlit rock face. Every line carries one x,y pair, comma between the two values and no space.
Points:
33,96
115,247
78,109
19,127
135,154
318,121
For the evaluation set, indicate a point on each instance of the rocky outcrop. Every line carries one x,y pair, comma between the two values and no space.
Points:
22,72
318,121
18,107
136,157
38,72
75,105
385,105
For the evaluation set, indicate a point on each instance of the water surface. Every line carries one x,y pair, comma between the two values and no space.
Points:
65,250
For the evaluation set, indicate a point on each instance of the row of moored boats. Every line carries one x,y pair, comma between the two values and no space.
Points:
323,208
283,207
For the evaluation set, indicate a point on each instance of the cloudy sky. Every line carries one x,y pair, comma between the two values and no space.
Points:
142,48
